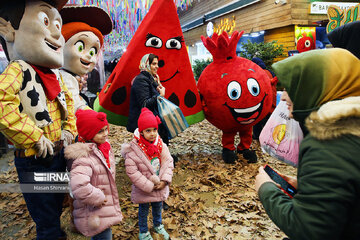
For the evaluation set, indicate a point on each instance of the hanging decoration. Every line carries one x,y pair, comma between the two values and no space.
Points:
127,16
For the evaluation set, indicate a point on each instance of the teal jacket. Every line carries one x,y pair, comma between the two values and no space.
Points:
327,205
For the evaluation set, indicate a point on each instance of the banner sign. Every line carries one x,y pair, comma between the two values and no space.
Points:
338,17
226,25
322,7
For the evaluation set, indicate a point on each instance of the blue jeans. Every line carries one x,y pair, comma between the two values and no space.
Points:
105,235
44,208
143,215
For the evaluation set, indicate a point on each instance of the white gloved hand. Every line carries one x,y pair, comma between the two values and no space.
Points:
44,146
67,137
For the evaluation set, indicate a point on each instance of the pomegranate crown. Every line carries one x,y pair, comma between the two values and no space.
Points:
221,47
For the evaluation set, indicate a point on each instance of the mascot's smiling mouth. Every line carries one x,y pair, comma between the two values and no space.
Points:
84,62
246,115
177,71
52,45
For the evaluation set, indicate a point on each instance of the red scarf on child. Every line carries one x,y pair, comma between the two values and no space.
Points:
105,149
150,149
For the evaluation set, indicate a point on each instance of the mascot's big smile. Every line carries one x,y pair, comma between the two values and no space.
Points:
246,115
53,46
177,71
84,62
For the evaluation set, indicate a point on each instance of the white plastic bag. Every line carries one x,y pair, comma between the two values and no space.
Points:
281,136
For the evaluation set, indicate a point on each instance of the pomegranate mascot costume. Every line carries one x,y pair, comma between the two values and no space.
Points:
236,94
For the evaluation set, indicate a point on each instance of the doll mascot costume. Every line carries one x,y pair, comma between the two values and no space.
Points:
83,30
37,111
236,94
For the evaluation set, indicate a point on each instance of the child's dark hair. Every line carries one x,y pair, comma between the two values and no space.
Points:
152,57
13,11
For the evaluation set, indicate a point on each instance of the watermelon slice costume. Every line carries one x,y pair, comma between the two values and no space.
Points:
159,33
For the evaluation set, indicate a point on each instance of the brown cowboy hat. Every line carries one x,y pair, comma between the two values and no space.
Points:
58,3
92,15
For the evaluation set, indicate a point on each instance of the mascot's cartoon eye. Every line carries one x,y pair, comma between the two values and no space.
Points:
57,25
154,42
173,43
93,51
307,43
234,90
253,86
79,45
44,18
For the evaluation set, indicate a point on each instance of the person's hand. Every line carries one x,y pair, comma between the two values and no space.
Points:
157,79
44,147
101,204
262,178
7,30
105,200
291,180
67,137
289,103
161,90
160,185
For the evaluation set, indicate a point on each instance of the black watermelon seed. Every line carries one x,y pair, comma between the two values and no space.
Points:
174,99
190,99
119,95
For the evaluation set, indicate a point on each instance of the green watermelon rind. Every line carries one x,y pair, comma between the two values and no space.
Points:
112,118
195,118
121,120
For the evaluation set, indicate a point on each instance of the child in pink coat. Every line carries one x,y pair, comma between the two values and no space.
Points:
92,177
149,166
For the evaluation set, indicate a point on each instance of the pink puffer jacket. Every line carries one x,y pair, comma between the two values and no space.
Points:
91,183
142,175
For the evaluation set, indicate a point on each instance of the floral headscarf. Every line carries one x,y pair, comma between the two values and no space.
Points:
144,63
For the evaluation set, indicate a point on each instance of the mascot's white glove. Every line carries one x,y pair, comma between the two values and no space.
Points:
44,147
67,137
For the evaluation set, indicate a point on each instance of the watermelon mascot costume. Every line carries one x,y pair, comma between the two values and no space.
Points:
236,94
159,33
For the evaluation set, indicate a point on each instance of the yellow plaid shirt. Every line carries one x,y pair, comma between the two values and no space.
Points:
18,127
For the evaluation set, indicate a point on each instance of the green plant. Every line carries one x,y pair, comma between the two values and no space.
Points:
199,66
265,51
